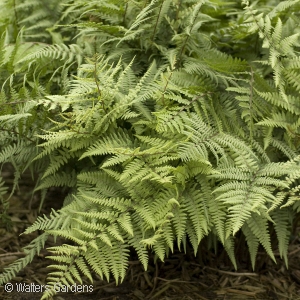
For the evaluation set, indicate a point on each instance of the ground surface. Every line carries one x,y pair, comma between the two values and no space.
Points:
181,276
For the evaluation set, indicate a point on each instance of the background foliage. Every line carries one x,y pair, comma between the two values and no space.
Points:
169,121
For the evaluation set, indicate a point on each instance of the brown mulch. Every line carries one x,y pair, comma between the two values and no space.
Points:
182,276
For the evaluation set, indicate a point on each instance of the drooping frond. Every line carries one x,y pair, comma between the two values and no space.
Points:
167,121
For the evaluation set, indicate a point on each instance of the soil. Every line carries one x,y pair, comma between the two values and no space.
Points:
182,276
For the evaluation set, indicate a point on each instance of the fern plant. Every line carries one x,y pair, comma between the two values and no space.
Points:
164,130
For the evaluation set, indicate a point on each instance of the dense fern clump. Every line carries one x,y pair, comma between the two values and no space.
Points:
168,120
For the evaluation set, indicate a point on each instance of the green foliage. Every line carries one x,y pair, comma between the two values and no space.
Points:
168,120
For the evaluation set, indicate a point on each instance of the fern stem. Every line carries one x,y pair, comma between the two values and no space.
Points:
163,94
98,88
125,11
250,105
16,20
17,133
154,280
182,49
155,27
188,35
146,1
